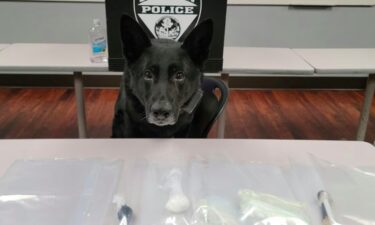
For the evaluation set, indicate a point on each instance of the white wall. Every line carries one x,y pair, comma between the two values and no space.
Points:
280,26
47,21
276,26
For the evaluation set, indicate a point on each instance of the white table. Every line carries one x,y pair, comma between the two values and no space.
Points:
73,58
167,151
243,60
353,153
346,61
237,60
3,46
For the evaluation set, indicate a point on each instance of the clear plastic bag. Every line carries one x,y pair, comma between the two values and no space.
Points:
58,192
237,193
305,182
351,190
155,193
219,191
265,209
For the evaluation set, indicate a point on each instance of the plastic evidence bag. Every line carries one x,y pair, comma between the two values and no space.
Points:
58,192
351,190
155,194
245,194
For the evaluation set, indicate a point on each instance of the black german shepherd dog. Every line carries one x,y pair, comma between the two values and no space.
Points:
160,94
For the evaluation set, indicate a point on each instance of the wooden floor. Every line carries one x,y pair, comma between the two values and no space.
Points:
51,113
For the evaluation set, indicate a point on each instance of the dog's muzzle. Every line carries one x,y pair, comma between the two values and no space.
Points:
161,114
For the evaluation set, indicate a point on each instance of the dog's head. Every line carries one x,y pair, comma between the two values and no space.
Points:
163,74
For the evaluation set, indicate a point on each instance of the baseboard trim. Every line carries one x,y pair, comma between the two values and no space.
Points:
298,82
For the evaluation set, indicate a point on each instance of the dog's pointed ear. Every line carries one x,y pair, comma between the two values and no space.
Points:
134,39
197,43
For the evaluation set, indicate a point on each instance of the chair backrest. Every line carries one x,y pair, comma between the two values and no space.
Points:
210,85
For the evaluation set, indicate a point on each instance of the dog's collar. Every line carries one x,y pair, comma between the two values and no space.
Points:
193,102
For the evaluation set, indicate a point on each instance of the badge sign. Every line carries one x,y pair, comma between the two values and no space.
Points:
168,19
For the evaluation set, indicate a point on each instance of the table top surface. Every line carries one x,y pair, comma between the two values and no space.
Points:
49,57
273,151
237,60
245,60
3,46
76,57
356,60
180,152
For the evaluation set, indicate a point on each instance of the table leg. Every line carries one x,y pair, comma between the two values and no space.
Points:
221,121
366,108
80,101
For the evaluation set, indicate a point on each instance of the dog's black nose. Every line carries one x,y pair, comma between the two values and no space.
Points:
160,114
161,110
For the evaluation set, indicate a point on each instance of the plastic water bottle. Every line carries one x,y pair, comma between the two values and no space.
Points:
98,42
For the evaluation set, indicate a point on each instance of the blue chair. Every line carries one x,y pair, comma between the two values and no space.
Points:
211,107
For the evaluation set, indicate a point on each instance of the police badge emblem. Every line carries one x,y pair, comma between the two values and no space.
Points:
169,19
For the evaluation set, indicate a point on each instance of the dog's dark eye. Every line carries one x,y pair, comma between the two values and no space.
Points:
179,76
147,75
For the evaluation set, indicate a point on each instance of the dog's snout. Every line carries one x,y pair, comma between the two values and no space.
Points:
159,114
161,110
